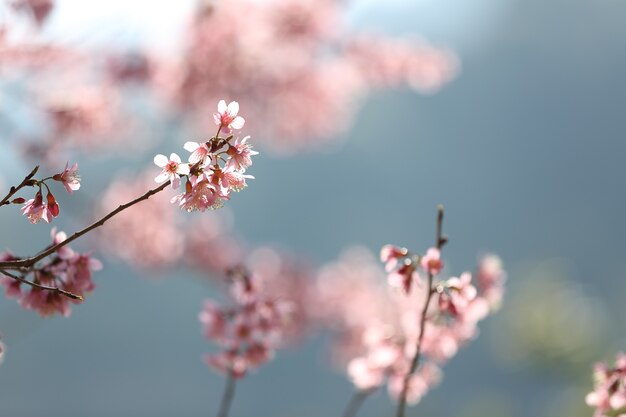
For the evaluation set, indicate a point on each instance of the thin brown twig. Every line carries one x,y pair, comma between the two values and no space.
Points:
227,397
43,287
357,400
28,262
441,240
14,189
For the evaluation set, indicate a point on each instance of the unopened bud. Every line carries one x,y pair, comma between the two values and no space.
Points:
52,205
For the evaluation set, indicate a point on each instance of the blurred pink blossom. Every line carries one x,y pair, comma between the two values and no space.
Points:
609,394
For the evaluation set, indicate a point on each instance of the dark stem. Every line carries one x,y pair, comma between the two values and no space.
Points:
28,262
14,190
357,400
441,240
227,397
43,287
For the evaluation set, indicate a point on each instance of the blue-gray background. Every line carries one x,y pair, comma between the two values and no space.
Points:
526,151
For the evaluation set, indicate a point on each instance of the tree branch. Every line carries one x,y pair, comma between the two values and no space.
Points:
43,287
14,190
28,262
441,240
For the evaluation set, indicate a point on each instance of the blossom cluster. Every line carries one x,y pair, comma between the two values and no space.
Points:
215,167
36,208
249,331
609,394
379,343
65,273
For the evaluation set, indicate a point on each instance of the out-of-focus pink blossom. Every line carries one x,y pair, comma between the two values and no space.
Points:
38,9
491,278
609,394
431,261
69,177
172,169
457,294
250,330
419,383
390,255
226,116
148,236
378,343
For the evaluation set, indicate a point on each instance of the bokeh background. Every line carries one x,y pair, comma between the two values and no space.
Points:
525,148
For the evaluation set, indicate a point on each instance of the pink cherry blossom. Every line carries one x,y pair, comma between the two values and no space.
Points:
240,153
69,177
226,116
172,169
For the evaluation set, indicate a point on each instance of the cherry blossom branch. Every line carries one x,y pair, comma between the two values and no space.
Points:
42,287
13,189
357,400
441,240
29,262
227,397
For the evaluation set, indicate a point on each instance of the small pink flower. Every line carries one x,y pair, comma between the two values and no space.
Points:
431,262
69,177
35,209
240,153
226,116
172,169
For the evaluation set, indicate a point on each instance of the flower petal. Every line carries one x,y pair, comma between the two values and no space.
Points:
160,160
